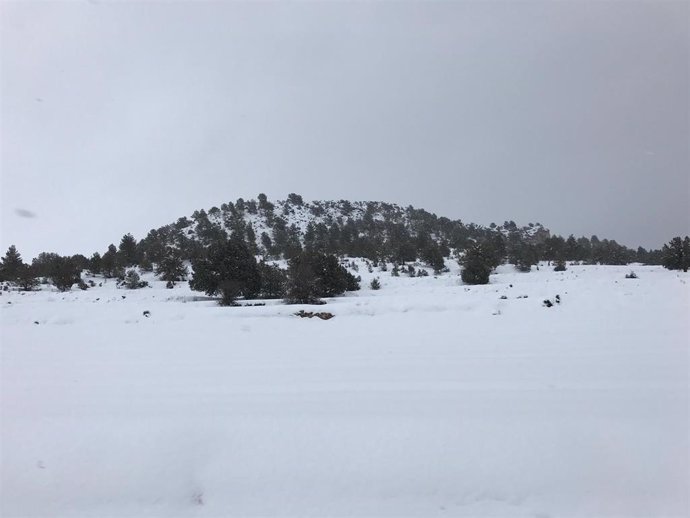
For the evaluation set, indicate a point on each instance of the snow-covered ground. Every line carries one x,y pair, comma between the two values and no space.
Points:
426,398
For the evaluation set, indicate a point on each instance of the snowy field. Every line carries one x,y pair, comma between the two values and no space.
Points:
426,398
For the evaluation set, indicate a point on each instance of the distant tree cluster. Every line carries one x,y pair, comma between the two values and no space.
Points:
62,272
314,275
14,270
230,270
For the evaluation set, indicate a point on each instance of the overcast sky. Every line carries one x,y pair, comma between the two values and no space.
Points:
122,117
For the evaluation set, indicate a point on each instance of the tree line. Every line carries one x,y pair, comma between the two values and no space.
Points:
222,247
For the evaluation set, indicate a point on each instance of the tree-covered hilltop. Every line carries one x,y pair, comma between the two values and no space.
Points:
260,231
373,230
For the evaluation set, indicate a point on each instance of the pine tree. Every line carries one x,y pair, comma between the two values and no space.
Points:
11,265
554,248
495,250
431,255
309,237
332,279
251,240
171,267
64,273
127,253
526,257
295,199
229,269
571,249
26,278
80,262
95,264
301,284
132,280
264,204
293,245
109,262
273,281
476,265
42,265
375,284
267,244
145,264
676,254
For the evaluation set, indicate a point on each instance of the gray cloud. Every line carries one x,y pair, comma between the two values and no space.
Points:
122,117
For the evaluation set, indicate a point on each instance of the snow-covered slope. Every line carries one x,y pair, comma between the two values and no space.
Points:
426,398
366,219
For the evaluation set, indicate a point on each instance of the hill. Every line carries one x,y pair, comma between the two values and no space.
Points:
373,230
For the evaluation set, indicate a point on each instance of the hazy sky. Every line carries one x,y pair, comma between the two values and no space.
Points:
122,117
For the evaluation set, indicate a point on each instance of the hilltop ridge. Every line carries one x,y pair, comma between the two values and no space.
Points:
370,229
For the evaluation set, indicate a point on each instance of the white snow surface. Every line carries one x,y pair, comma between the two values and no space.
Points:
426,398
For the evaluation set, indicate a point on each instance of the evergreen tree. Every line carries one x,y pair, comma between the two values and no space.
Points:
127,252
43,264
280,236
251,240
571,250
526,258
293,246
554,248
132,280
514,245
494,249
264,204
332,279
295,199
273,281
431,255
64,273
171,267
95,264
310,237
80,262
26,278
676,254
109,264
333,243
145,264
266,243
313,275
252,207
301,285
229,269
375,284
11,265
476,265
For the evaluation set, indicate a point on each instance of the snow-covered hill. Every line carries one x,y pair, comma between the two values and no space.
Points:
425,398
342,227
